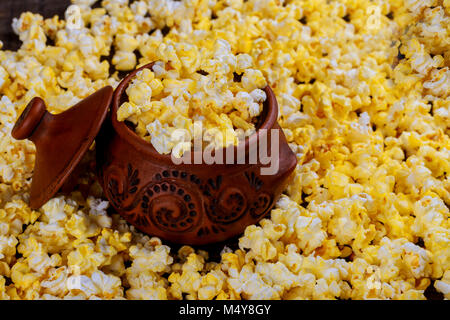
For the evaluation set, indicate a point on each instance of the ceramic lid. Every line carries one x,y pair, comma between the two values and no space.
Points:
61,140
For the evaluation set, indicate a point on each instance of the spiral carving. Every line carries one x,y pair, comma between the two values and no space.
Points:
230,205
261,205
172,201
171,204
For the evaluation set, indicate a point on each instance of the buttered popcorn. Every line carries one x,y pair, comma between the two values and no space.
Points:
188,85
362,88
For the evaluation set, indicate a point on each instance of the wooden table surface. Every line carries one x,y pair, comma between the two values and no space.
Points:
10,9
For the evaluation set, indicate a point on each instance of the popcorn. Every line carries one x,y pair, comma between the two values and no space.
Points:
85,258
443,285
258,95
252,286
253,79
126,42
98,284
439,82
260,247
183,88
156,260
243,62
124,60
56,283
3,77
365,215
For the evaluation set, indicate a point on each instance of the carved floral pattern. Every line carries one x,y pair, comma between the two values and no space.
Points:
172,201
171,206
119,187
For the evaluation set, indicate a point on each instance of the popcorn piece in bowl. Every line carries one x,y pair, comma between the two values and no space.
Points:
174,95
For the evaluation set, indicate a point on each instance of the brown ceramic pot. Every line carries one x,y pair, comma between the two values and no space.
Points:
187,203
184,203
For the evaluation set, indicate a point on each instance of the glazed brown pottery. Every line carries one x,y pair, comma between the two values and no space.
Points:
181,203
61,140
187,203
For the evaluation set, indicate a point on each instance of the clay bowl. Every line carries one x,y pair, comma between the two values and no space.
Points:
189,203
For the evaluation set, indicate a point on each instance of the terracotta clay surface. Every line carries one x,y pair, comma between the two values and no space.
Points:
61,140
187,203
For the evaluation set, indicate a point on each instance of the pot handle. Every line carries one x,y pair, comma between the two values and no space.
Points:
29,120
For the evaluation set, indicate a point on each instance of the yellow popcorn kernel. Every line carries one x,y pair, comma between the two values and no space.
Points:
443,285
193,262
156,87
244,61
272,231
155,260
211,284
336,182
238,122
71,61
126,42
116,266
175,289
145,75
79,226
167,53
84,258
260,246
157,106
277,274
3,294
115,239
189,56
97,70
125,110
253,79
5,269
124,60
211,115
188,282
328,250
309,233
22,277
4,76
139,94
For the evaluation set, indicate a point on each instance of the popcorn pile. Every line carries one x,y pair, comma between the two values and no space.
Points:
192,93
363,89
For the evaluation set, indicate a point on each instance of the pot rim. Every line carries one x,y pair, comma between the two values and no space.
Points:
270,113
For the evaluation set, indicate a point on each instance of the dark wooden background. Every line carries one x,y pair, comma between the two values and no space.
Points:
10,9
